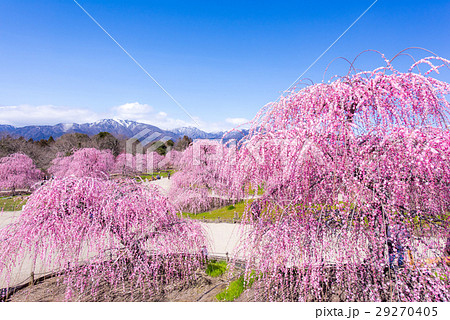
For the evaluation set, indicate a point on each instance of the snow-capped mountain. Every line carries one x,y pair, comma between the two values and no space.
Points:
196,133
118,128
193,132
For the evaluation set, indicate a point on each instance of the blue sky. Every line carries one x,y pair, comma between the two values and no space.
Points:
222,60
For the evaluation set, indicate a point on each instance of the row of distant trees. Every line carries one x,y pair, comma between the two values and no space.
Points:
43,151
23,163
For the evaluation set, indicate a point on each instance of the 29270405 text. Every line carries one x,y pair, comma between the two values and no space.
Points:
352,313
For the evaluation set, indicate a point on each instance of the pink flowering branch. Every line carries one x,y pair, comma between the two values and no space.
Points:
87,162
17,171
98,232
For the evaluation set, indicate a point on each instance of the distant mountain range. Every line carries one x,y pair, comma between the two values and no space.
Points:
118,128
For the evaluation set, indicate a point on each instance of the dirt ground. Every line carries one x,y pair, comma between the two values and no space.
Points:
203,289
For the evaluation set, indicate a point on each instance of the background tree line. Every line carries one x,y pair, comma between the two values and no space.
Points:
43,151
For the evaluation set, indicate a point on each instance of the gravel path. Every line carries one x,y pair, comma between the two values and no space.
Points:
164,184
8,217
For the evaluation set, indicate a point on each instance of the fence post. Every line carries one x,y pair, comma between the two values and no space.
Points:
32,278
228,259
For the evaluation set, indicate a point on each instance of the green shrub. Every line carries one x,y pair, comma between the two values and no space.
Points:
216,269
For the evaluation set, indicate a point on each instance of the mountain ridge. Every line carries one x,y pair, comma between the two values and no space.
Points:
118,128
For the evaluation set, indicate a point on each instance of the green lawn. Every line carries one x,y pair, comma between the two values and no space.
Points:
235,288
216,268
163,174
251,191
226,212
12,203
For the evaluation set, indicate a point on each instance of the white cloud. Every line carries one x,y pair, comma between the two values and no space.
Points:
23,115
146,114
132,111
236,121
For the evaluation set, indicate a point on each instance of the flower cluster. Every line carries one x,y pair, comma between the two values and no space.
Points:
100,233
18,171
86,162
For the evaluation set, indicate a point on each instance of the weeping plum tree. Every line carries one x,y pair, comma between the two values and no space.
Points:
355,172
129,164
104,238
173,158
198,185
86,162
18,171
153,161
125,164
